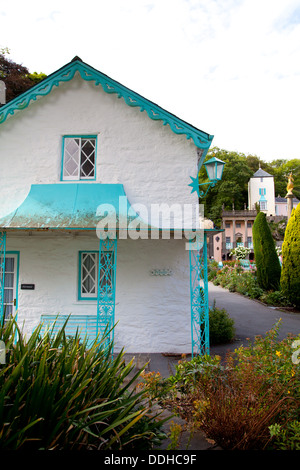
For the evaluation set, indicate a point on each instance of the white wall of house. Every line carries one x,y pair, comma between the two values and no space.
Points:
153,312
152,162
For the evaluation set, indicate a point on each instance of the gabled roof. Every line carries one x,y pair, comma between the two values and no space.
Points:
261,174
67,72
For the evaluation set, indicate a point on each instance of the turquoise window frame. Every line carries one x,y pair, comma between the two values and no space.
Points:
80,297
78,136
17,253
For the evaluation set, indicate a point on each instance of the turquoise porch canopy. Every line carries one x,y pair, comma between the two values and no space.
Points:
68,206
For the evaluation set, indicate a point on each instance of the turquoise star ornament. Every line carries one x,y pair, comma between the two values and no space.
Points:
194,184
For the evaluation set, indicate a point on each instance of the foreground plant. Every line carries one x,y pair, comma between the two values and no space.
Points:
250,400
55,393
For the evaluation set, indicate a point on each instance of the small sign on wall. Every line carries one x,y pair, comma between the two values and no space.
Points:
28,286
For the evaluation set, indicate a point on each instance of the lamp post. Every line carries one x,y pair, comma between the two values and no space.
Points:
214,169
198,268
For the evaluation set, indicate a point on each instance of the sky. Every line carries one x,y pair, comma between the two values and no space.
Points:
228,67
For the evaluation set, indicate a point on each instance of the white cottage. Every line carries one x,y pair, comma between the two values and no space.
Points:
79,151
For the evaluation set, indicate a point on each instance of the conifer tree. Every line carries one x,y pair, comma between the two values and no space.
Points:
290,275
266,259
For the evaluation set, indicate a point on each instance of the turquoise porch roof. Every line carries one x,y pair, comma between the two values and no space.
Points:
67,206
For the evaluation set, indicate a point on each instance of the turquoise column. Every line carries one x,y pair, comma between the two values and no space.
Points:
199,297
2,272
106,286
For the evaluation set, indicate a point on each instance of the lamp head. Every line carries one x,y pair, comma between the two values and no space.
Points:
214,168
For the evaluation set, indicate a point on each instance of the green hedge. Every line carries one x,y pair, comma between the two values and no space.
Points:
266,259
290,276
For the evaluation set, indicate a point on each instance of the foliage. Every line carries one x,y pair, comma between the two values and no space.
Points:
55,393
290,276
221,326
36,77
249,401
266,259
286,437
16,77
275,298
236,279
239,168
232,189
240,252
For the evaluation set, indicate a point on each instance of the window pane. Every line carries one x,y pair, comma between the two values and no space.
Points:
9,265
8,295
88,274
71,158
87,168
9,280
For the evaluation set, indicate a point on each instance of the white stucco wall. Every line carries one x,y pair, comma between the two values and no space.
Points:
153,313
152,162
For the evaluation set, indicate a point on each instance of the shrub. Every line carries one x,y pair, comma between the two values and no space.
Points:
55,393
274,298
290,276
249,401
221,327
266,259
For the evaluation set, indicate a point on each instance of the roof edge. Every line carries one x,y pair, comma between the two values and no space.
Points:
200,138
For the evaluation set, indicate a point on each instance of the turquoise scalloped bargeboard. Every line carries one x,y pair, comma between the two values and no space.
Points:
201,139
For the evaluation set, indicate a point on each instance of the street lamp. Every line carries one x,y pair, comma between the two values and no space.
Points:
214,169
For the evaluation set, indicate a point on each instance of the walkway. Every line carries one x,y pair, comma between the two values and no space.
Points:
251,317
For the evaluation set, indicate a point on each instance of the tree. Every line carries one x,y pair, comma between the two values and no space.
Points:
16,77
266,259
239,168
290,275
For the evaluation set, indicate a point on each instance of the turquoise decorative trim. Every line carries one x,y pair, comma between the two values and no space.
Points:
201,139
2,272
199,297
106,295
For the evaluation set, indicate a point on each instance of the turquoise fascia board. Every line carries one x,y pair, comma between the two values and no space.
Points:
66,206
66,73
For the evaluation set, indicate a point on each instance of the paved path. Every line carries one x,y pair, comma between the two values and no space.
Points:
251,317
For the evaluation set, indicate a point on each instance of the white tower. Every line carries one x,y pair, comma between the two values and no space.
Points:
261,189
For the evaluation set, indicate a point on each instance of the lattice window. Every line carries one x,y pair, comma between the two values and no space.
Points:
89,273
79,158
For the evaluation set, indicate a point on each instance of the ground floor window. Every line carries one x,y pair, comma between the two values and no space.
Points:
89,274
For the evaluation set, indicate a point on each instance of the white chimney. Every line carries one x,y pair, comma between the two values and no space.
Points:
2,93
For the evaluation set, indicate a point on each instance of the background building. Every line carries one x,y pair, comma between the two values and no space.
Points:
237,224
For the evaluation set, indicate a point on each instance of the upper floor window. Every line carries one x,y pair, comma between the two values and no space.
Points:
79,158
